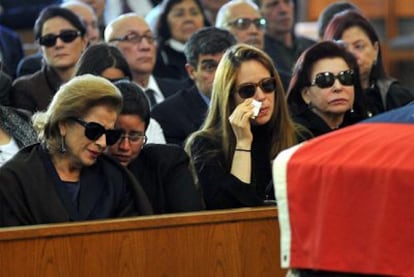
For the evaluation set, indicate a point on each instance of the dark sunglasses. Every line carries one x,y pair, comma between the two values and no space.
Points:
94,130
327,79
244,23
66,36
247,90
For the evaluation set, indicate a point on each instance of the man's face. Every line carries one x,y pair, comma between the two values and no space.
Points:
279,15
251,34
133,35
203,75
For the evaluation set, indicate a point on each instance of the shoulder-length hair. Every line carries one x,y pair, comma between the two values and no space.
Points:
217,126
352,18
301,77
74,99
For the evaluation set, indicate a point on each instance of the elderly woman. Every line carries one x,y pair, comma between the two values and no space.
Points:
382,93
62,38
325,92
232,152
66,177
178,20
162,170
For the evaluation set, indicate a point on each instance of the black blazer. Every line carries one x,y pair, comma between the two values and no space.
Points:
11,49
168,86
163,171
180,115
108,191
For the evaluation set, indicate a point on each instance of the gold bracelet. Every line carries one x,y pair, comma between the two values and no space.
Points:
243,150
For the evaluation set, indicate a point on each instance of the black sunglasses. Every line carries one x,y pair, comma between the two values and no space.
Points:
327,79
66,36
94,130
247,90
244,23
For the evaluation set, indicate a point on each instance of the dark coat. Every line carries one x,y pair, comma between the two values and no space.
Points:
163,171
170,64
11,49
35,92
285,57
180,115
31,193
168,86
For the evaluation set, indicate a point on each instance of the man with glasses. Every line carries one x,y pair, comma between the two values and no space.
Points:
242,18
281,43
134,38
184,112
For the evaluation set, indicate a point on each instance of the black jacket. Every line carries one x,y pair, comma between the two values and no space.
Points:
163,171
30,193
180,115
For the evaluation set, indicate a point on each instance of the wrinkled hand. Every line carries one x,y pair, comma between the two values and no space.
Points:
240,122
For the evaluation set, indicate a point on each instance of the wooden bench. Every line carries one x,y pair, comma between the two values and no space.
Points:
240,242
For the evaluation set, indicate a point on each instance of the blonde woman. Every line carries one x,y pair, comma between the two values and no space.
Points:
67,177
232,152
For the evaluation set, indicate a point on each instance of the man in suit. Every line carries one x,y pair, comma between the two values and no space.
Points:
184,112
132,35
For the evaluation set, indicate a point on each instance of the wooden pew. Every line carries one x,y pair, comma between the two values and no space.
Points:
240,242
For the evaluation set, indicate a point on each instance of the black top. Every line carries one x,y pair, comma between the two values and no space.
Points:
163,171
223,190
285,57
31,192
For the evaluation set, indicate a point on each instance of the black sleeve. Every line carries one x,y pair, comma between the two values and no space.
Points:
221,189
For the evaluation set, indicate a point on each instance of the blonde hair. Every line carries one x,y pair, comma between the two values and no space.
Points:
75,99
216,126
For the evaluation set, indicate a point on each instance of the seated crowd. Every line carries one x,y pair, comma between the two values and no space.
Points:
165,113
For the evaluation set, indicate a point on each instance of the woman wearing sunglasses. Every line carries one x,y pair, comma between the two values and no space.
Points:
161,169
325,91
382,93
232,153
66,177
62,38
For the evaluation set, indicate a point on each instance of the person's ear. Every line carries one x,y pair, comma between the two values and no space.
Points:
305,95
191,71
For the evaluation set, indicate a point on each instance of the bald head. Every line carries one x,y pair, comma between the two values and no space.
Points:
124,24
88,17
242,18
131,34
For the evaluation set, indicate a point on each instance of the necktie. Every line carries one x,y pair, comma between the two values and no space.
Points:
149,93
125,7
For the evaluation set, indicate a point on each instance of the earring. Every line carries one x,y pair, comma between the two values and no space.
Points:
62,148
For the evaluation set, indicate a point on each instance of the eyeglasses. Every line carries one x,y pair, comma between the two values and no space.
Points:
94,130
247,90
133,137
327,79
66,36
244,23
136,38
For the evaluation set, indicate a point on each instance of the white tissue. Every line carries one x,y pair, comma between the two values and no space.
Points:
256,109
